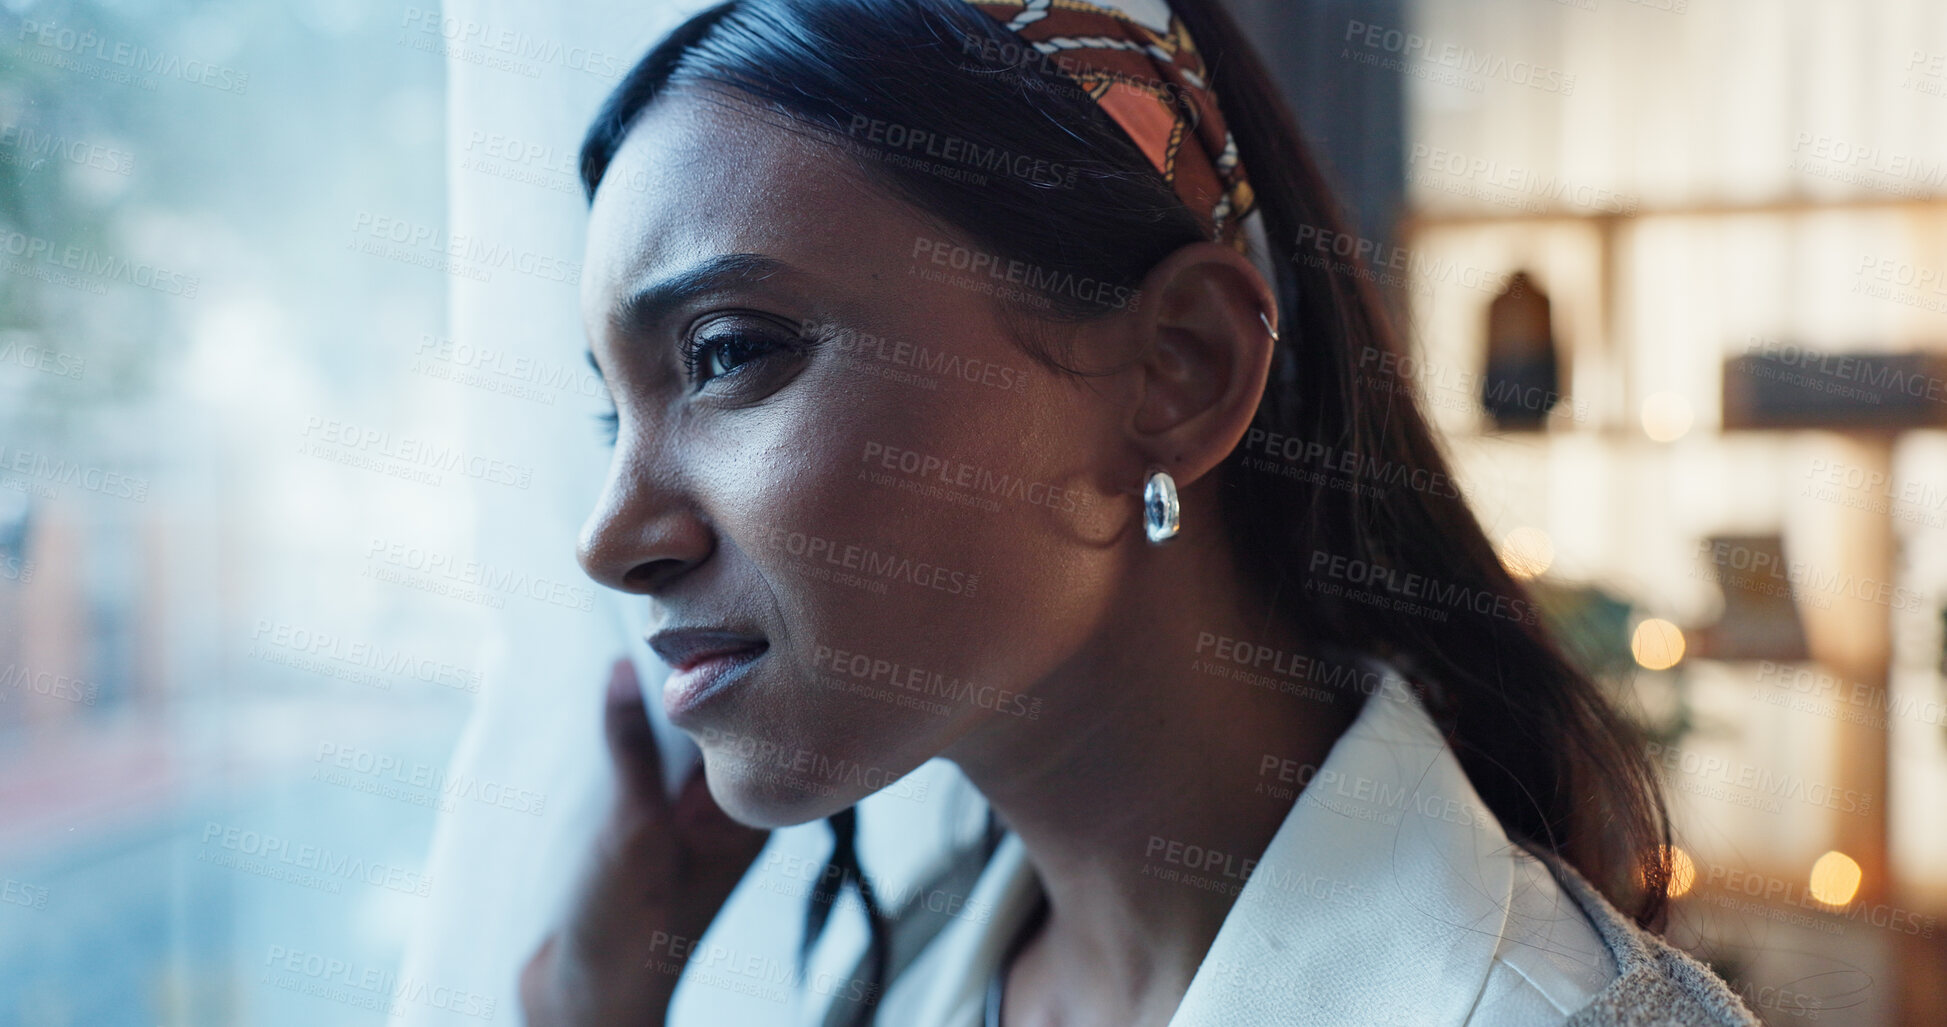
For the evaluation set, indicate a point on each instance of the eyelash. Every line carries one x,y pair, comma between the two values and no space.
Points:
693,350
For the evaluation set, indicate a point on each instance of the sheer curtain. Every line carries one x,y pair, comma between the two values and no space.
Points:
524,80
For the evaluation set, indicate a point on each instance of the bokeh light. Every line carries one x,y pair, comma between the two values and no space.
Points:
1666,416
1835,878
1527,552
1657,644
1683,872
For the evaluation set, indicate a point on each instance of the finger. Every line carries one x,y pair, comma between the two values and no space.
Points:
632,742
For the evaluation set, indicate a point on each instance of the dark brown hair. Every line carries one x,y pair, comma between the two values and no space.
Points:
1560,768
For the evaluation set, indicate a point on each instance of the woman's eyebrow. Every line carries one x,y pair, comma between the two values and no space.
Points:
639,313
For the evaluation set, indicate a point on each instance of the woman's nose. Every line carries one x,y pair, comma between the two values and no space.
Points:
643,534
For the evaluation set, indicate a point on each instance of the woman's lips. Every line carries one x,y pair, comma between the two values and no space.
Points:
702,664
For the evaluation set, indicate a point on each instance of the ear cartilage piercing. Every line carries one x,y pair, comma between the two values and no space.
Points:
1161,515
1267,325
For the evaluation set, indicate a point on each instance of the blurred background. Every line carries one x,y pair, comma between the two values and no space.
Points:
297,674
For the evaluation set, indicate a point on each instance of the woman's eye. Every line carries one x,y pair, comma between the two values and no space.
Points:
718,357
709,355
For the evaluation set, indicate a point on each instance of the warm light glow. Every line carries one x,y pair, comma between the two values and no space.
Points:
1666,416
1527,552
1657,644
1683,873
1835,878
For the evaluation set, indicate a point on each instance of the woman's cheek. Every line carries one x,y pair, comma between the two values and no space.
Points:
912,589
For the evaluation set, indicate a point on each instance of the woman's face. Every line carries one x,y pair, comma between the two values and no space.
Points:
893,525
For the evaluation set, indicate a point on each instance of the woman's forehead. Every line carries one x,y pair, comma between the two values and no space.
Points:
698,178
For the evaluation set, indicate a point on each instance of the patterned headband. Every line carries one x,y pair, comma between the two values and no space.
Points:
1137,61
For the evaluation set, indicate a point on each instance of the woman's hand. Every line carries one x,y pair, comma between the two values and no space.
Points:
659,872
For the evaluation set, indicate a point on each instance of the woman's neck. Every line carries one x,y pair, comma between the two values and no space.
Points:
1165,760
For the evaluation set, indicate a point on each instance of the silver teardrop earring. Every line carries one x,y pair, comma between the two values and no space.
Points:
1161,515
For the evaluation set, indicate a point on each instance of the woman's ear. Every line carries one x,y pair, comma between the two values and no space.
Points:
1207,321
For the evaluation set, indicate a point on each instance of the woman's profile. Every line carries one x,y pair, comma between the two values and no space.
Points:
972,400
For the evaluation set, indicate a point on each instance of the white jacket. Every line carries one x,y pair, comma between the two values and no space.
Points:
1389,895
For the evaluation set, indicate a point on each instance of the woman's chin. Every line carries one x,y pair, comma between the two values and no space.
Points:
771,800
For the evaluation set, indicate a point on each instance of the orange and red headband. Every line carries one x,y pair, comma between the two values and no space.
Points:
1137,61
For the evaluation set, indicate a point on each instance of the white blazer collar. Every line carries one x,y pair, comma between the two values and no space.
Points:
1380,900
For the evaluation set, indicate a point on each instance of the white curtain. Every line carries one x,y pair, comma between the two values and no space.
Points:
524,80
